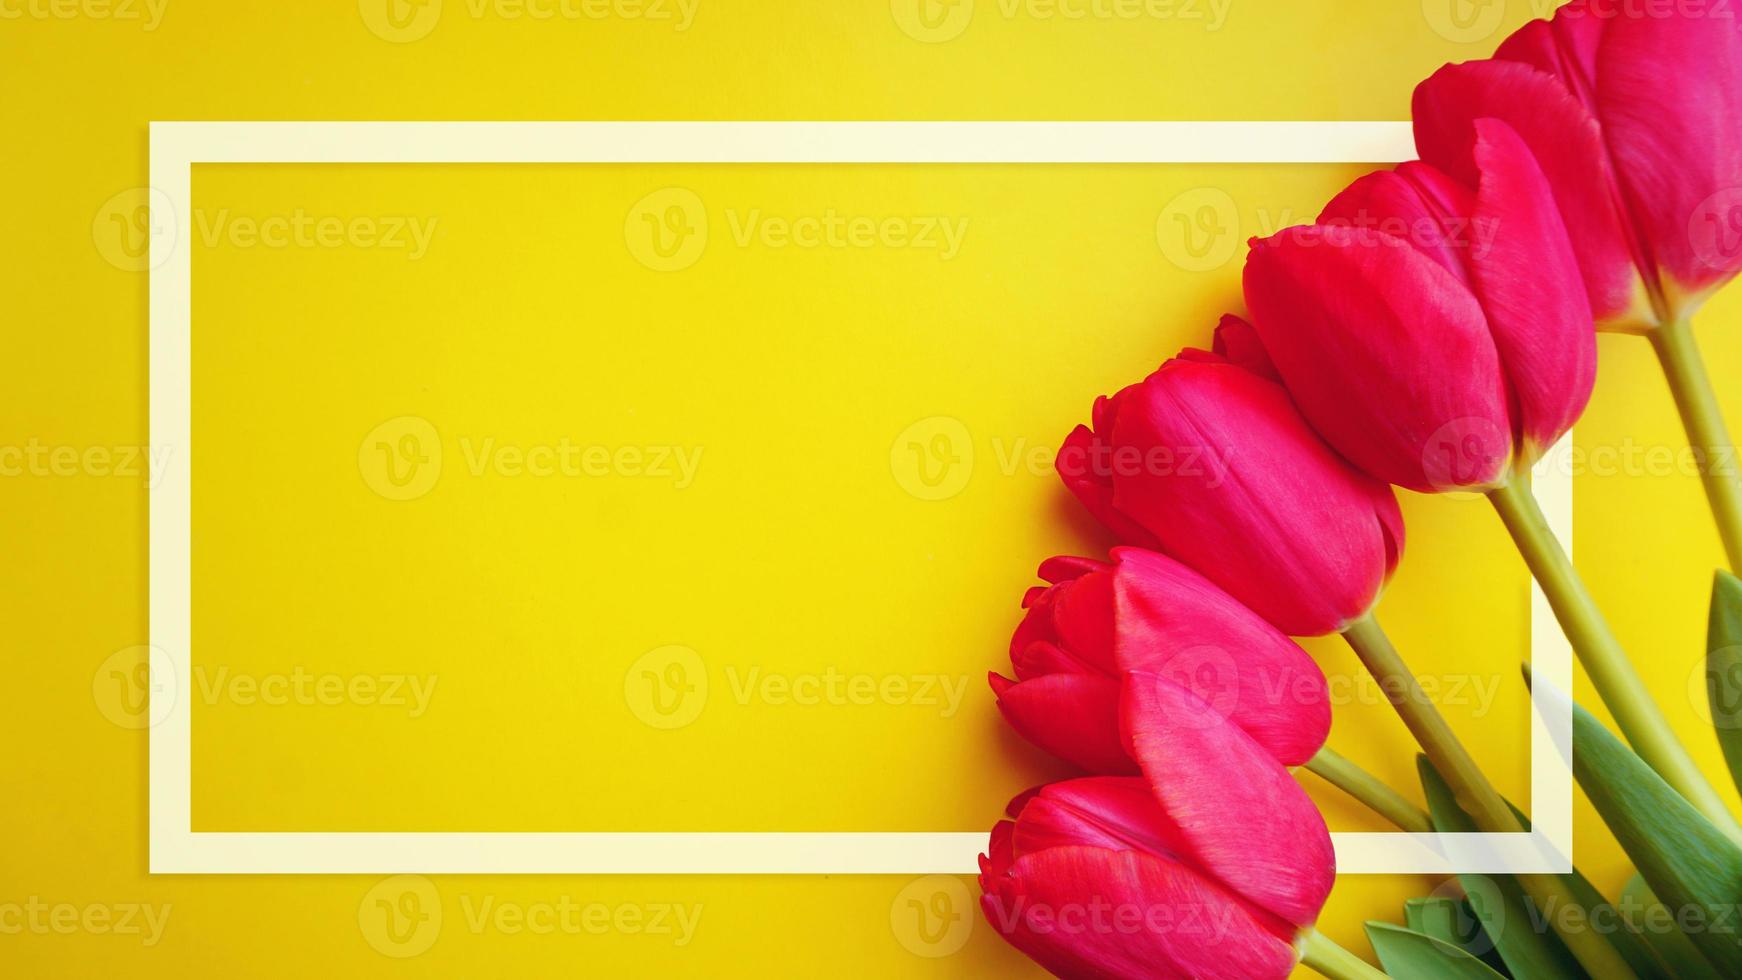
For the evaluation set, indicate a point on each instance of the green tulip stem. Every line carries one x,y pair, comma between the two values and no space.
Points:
1332,960
1707,434
1617,682
1368,790
1474,794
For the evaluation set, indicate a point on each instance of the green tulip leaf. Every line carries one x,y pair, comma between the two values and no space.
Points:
1724,669
1410,955
1651,920
1520,932
1692,866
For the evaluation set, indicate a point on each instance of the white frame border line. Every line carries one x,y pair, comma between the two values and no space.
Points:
177,146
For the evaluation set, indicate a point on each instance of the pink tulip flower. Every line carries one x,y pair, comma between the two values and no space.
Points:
1636,116
1147,612
1213,465
1439,338
1211,866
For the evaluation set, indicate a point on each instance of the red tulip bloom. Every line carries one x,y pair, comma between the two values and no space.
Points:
1213,465
1147,612
1215,872
1636,116
1437,337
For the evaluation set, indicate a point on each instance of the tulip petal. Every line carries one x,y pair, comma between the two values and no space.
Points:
1565,47
1174,622
1567,142
1020,801
1114,812
1256,503
1391,527
1066,568
1335,303
1415,204
1669,94
1239,815
1068,626
1082,463
1238,343
1044,657
1071,716
1201,356
1000,853
1083,617
1528,280
1089,912
1036,625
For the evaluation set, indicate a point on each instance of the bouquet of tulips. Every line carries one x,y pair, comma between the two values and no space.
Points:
1434,329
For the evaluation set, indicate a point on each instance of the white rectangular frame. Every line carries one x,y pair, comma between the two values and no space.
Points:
176,146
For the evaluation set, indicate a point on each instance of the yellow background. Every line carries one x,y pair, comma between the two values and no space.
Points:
797,548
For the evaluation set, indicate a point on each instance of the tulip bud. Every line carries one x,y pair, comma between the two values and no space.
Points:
1214,466
1438,338
1211,866
1636,118
1147,612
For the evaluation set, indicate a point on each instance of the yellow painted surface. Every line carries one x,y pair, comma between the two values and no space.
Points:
647,453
